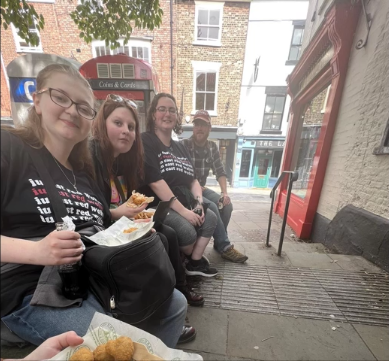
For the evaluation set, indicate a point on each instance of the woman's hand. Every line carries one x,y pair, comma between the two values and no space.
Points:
128,212
59,247
193,218
54,345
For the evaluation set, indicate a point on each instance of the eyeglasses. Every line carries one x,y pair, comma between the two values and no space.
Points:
164,110
119,99
60,98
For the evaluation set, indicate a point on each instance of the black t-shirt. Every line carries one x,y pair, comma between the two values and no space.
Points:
172,164
26,211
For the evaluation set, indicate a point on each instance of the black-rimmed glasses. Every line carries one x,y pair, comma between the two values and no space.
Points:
60,98
119,99
164,110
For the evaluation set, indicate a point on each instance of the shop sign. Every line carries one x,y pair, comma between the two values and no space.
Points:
22,89
104,84
270,144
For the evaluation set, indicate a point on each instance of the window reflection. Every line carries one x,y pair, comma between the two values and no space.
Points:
312,119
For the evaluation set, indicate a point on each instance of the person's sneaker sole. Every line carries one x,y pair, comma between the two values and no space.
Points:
199,273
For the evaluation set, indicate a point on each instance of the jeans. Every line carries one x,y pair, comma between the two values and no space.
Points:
35,324
187,234
220,238
225,215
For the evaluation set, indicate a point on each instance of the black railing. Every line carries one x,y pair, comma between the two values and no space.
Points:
293,176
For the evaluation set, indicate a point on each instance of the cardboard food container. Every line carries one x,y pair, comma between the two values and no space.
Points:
147,347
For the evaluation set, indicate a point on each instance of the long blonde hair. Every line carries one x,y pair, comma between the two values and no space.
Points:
32,132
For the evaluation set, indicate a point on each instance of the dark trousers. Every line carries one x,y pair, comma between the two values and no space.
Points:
170,241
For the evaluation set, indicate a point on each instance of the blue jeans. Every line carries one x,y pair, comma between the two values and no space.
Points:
220,238
36,324
225,215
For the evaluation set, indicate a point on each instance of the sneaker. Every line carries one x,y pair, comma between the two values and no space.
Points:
234,256
201,270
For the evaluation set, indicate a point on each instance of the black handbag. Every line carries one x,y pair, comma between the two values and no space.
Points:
131,281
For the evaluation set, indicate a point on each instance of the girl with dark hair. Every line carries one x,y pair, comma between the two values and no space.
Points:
57,126
169,172
118,157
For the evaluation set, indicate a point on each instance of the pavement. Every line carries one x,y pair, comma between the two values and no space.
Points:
307,304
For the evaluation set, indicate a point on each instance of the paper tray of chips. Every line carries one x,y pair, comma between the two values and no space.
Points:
115,236
147,347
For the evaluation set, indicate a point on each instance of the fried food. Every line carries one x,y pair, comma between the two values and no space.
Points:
137,199
130,230
144,215
121,349
82,354
101,354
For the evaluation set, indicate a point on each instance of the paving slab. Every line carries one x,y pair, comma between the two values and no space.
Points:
304,247
354,263
376,338
247,225
207,356
312,260
270,337
262,257
211,325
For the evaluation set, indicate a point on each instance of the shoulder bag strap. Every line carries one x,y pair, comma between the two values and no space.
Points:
56,202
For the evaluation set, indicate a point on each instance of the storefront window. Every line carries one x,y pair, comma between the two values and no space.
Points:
310,131
245,164
275,170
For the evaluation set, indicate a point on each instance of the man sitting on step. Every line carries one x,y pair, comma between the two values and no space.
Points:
205,155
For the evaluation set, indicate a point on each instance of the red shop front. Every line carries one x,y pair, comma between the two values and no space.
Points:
315,86
122,75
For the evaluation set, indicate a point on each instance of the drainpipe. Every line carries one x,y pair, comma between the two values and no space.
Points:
4,71
171,47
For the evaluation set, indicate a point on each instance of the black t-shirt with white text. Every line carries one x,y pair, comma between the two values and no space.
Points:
25,206
172,164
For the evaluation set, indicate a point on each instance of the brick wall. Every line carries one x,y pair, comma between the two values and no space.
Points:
61,37
230,54
5,98
354,175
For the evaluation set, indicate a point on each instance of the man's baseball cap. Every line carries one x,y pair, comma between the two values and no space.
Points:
202,115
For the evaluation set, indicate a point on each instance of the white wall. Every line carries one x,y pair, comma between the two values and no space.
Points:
269,36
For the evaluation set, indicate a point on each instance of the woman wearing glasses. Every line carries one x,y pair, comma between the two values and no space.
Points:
57,125
169,172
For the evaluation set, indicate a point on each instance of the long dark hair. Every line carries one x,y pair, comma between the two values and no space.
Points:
153,108
32,132
130,164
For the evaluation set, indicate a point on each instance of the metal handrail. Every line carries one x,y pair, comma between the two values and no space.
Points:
293,176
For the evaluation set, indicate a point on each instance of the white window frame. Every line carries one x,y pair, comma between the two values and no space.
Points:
205,66
130,44
26,49
204,5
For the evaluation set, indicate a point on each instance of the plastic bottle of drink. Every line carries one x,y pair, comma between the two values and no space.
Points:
74,277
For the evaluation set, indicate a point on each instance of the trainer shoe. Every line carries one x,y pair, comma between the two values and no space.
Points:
201,270
234,256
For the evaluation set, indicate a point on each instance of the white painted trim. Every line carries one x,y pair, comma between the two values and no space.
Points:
19,49
131,43
41,1
205,5
204,66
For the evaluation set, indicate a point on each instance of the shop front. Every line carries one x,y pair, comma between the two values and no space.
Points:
258,161
315,86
